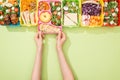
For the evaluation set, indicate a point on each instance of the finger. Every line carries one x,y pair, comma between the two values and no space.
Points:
63,36
40,34
36,36
43,36
59,35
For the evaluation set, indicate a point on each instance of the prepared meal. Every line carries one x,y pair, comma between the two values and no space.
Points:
71,13
91,14
49,16
9,12
111,12
29,12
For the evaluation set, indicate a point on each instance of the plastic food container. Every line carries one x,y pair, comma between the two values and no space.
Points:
49,16
70,13
111,13
9,13
28,11
91,13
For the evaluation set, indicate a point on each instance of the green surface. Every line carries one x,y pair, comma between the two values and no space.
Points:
93,53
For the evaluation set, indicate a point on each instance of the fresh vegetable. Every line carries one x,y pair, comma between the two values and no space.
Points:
16,9
70,6
111,13
91,13
9,12
56,13
93,9
106,13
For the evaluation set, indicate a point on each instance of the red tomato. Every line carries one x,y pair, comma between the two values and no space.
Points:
16,9
112,10
106,13
56,3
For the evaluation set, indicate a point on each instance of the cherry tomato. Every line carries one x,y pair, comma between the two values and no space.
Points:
56,3
112,10
16,9
106,13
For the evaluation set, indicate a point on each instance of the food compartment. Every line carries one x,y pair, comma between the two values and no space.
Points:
44,13
9,12
70,13
28,12
49,14
56,13
91,14
111,13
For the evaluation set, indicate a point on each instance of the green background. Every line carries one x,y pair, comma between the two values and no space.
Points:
92,53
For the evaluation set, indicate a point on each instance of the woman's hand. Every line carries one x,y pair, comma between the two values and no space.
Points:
39,39
36,74
66,71
61,38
